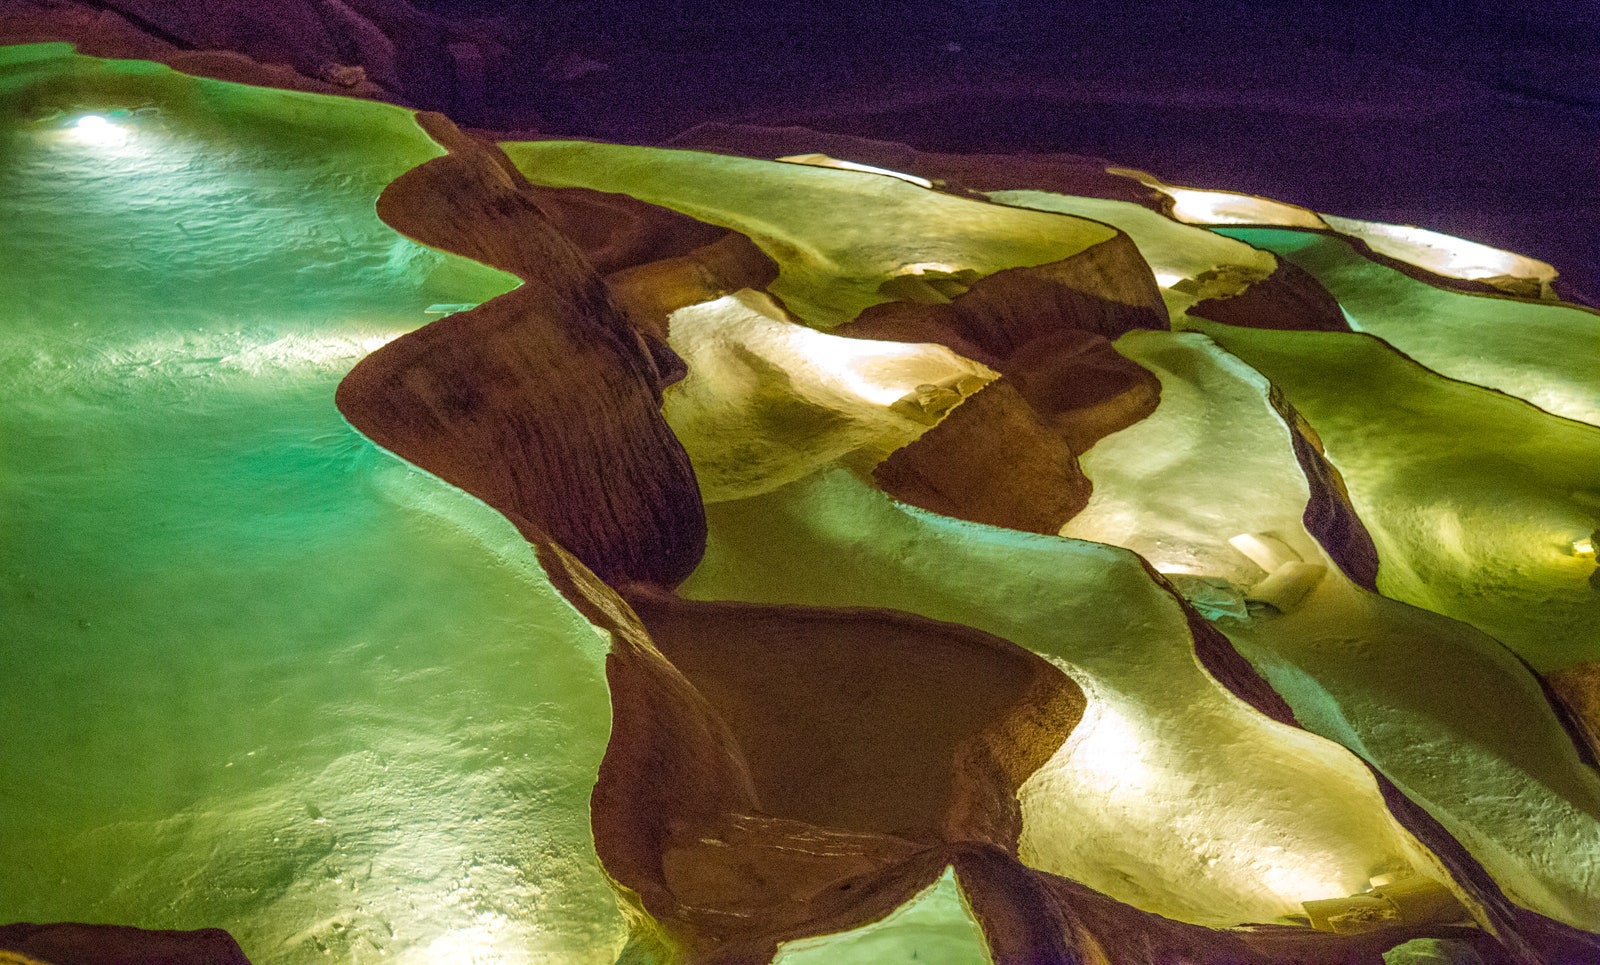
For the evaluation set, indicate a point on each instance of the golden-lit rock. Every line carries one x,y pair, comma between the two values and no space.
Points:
767,400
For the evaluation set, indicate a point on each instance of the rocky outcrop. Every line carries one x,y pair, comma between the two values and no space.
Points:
925,735
1107,289
383,49
616,232
543,402
740,807
991,460
1082,386
1048,329
1288,298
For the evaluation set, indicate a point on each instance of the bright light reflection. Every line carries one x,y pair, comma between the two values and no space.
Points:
876,372
1116,757
824,161
484,943
925,267
1583,547
97,131
1441,253
1203,207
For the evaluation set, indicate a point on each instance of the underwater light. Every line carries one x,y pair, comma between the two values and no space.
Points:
99,131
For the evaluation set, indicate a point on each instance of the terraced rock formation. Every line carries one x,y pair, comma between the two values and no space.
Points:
770,559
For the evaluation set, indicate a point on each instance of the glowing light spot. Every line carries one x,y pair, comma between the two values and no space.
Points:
824,161
929,267
1167,280
1583,547
98,131
1200,206
482,943
875,372
1264,550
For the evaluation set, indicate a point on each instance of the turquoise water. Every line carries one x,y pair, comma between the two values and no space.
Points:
260,674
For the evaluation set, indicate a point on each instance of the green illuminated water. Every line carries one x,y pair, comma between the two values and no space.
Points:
934,926
1473,498
1539,351
259,674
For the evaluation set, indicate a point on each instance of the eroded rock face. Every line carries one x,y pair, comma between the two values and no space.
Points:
651,292
616,232
1046,329
1106,290
902,738
1081,385
1008,457
1329,516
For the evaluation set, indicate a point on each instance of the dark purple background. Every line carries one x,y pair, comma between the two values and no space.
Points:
1480,119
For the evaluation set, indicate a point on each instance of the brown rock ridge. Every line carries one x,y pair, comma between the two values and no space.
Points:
616,232
1524,937
1023,321
1575,692
543,402
651,292
655,260
901,737
1329,517
70,943
707,817
960,173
